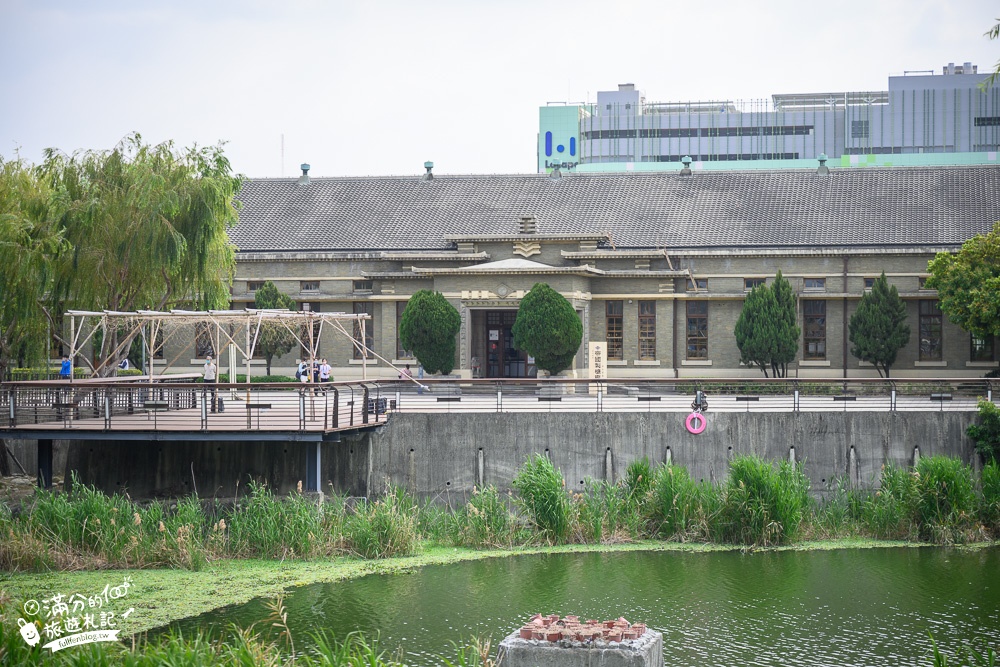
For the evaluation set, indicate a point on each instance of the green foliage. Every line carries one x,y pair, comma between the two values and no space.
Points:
147,225
888,513
428,328
274,338
676,507
542,493
486,521
254,379
989,507
608,512
762,505
968,283
878,329
264,526
31,245
548,328
945,508
986,434
767,332
384,528
90,528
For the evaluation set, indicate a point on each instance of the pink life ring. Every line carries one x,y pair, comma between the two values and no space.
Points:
692,418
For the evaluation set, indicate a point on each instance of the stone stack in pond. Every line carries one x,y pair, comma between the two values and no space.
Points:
551,641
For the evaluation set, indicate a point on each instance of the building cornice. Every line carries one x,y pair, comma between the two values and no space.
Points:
353,256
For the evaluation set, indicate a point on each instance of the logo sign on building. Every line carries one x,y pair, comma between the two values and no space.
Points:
558,137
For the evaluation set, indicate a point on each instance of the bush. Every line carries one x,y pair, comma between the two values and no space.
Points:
542,493
762,505
384,528
485,521
428,327
224,378
945,508
986,434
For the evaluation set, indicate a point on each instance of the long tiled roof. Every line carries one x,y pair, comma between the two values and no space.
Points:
902,206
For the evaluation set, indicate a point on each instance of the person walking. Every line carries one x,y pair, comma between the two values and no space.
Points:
324,371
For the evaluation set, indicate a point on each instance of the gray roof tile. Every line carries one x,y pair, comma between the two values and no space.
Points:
783,208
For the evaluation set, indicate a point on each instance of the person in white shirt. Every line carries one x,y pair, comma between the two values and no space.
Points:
211,372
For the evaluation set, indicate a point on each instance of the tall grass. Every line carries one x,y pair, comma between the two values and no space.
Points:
263,526
989,507
761,505
887,514
945,499
384,528
486,521
543,495
678,508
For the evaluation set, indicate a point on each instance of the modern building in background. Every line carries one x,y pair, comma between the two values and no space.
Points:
923,119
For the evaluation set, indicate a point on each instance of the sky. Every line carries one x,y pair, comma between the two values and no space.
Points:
378,87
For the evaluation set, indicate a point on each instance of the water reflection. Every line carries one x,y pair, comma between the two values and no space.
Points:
845,607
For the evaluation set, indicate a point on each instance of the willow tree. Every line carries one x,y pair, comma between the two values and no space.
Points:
147,227
30,244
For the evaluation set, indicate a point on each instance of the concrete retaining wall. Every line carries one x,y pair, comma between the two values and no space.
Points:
445,456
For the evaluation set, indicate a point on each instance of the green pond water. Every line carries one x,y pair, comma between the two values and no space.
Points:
844,607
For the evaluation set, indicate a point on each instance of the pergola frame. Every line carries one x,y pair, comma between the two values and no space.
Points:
305,326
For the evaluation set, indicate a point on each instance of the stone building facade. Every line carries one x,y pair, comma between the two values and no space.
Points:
656,264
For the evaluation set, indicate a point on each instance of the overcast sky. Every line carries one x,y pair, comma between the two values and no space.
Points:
359,88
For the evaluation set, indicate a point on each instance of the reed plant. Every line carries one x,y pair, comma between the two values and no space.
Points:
437,523
989,503
762,505
945,508
264,526
87,528
383,528
676,509
606,513
542,494
839,514
887,513
637,482
486,521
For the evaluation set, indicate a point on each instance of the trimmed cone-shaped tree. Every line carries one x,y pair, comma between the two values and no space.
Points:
428,327
274,339
878,329
548,328
767,333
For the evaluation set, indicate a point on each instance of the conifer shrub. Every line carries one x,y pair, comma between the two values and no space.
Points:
548,328
428,327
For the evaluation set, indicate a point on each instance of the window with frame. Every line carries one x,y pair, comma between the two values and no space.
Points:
698,284
750,283
859,129
400,352
922,283
814,284
362,286
980,348
203,345
930,330
697,329
308,285
813,329
254,285
364,308
870,282
647,330
613,329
